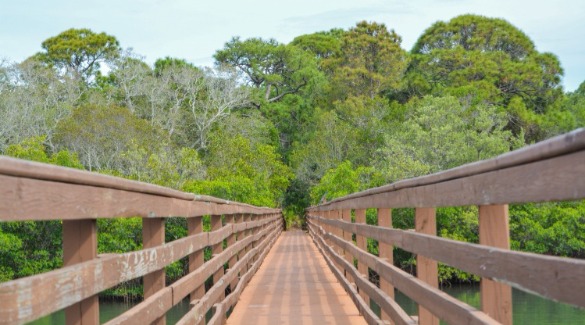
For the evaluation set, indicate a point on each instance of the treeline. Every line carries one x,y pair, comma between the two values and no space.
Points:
289,125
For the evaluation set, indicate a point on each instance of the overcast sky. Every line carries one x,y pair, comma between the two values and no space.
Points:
194,30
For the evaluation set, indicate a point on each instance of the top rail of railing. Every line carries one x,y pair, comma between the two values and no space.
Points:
36,191
530,174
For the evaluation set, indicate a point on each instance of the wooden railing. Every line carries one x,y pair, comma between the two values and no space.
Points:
33,191
553,170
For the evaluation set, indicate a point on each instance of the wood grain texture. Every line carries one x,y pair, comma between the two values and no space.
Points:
153,235
36,296
556,179
362,282
385,251
562,145
216,292
361,242
527,271
32,199
196,259
427,269
39,171
80,245
154,307
496,298
446,307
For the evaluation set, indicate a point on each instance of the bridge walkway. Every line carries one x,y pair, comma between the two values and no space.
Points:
294,285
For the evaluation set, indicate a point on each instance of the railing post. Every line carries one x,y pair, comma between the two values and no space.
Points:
236,237
426,268
231,240
385,251
253,218
360,217
496,297
346,216
247,233
196,260
153,234
217,248
80,245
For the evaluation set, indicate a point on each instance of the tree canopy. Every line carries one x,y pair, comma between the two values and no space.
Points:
78,53
288,125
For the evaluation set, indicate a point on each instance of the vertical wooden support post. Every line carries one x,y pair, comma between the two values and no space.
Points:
496,298
253,218
236,237
360,217
346,216
426,268
386,252
231,240
332,215
194,227
217,248
80,245
153,234
247,218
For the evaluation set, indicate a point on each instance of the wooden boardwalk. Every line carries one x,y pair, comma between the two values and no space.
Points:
294,285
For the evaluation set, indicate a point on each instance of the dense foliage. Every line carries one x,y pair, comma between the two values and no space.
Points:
289,125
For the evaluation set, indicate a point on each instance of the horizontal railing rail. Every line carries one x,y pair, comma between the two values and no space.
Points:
553,170
34,191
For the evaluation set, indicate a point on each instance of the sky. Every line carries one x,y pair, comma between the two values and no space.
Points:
195,30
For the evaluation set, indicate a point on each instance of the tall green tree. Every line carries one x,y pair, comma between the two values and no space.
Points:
439,133
275,69
79,53
370,61
487,60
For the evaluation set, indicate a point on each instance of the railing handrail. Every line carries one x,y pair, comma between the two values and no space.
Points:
553,170
34,170
37,191
103,196
554,147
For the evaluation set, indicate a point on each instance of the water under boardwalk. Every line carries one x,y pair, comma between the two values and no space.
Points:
294,285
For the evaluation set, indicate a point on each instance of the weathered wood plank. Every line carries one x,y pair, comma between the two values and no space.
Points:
525,271
216,249
36,296
196,260
385,251
561,145
535,182
149,309
245,277
427,269
39,171
80,245
496,297
153,235
200,308
361,241
362,282
446,307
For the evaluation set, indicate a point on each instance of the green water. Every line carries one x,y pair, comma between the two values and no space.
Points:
526,308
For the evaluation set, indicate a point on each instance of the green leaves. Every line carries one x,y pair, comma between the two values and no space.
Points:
441,133
79,52
276,69
488,60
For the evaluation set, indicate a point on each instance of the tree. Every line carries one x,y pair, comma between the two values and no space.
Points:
276,70
32,101
441,133
101,135
486,60
241,170
78,53
370,61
